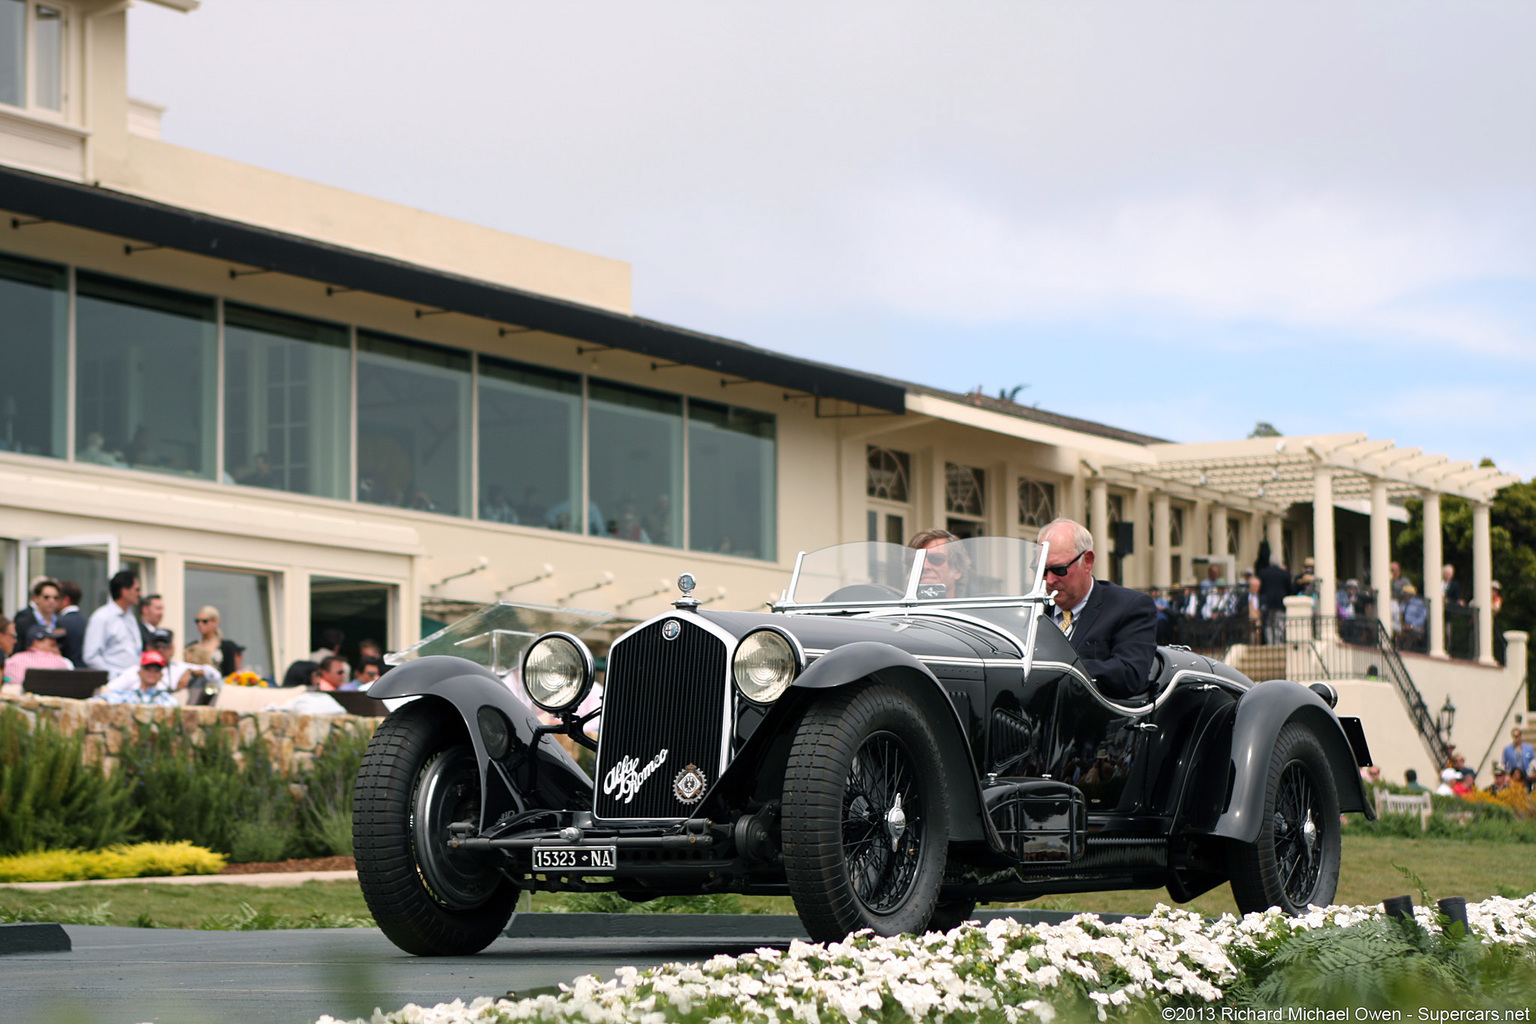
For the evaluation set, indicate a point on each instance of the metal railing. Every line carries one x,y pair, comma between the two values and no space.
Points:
1351,645
1356,648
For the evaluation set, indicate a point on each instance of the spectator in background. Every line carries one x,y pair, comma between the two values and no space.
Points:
330,643
43,611
369,671
1496,602
151,614
332,673
151,688
226,654
1520,778
1411,782
1274,588
1519,754
1415,618
1448,776
1450,587
301,673
193,677
42,652
370,649
112,639
7,638
72,621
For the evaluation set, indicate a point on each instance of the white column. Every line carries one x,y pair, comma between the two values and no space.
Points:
1482,581
1077,502
1433,567
1381,552
1162,556
1099,495
1275,535
1218,527
1322,538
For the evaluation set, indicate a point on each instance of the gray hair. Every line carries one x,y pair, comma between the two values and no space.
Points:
1082,540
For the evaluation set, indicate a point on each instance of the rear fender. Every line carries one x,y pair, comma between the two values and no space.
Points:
532,775
1261,713
856,662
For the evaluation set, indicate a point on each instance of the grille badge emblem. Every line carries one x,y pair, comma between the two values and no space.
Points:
670,629
689,785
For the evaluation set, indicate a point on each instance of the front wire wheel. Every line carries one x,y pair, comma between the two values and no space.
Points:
865,815
418,776
1294,862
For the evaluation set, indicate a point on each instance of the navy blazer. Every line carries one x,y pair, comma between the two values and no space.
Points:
1116,638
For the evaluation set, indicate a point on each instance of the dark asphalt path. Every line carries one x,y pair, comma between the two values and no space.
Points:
130,975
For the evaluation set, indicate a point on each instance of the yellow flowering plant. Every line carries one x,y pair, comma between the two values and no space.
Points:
244,679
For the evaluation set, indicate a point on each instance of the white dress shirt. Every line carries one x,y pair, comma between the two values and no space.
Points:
112,639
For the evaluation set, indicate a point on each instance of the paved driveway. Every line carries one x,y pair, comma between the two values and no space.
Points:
128,975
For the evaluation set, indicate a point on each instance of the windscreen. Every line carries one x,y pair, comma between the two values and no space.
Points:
868,573
860,573
498,634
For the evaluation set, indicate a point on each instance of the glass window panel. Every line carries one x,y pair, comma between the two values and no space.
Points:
732,471
33,347
245,613
413,425
1037,502
49,47
636,464
287,403
530,445
887,474
13,52
145,374
965,490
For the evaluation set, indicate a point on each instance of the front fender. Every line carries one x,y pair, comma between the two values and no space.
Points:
536,772
890,665
1261,713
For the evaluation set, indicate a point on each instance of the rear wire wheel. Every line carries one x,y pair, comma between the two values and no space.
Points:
418,776
866,815
1294,861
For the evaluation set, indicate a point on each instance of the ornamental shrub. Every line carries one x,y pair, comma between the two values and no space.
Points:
143,860
203,793
49,798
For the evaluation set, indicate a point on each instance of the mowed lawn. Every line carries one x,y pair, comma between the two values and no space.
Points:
1447,867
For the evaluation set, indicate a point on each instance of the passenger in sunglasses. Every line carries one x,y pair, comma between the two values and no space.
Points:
1113,629
942,564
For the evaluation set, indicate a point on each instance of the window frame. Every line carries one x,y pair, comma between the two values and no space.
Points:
32,66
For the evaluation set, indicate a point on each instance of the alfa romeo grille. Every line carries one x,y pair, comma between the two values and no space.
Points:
663,713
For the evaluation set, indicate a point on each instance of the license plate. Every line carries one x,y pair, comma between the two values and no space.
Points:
577,858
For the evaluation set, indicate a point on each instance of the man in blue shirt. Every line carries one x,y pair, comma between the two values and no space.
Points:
1519,754
112,638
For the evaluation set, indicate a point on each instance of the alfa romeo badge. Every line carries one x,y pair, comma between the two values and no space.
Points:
670,629
688,787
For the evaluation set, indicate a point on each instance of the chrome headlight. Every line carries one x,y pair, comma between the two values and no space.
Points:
766,663
557,672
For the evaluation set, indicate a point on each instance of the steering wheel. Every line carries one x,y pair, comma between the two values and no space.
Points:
862,592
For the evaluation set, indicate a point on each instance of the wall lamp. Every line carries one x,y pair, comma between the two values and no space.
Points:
548,571
666,585
484,564
605,581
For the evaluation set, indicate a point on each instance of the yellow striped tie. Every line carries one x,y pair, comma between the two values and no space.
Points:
1066,621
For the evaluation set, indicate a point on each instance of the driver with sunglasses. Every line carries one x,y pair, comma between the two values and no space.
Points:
1112,628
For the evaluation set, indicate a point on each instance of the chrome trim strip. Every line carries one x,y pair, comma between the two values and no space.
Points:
1178,677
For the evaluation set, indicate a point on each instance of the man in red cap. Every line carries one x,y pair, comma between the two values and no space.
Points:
151,688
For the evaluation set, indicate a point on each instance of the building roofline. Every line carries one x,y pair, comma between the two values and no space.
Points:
132,218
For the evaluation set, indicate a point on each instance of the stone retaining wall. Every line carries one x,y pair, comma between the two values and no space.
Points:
292,740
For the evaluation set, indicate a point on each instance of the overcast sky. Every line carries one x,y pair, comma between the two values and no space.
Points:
1179,218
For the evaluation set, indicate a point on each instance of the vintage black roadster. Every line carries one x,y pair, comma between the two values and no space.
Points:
883,751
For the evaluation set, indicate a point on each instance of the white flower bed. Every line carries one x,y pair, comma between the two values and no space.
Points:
1003,971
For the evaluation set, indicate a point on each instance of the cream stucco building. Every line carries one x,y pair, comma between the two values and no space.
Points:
313,408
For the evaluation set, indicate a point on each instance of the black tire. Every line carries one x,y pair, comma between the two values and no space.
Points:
951,914
1294,861
418,775
852,862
